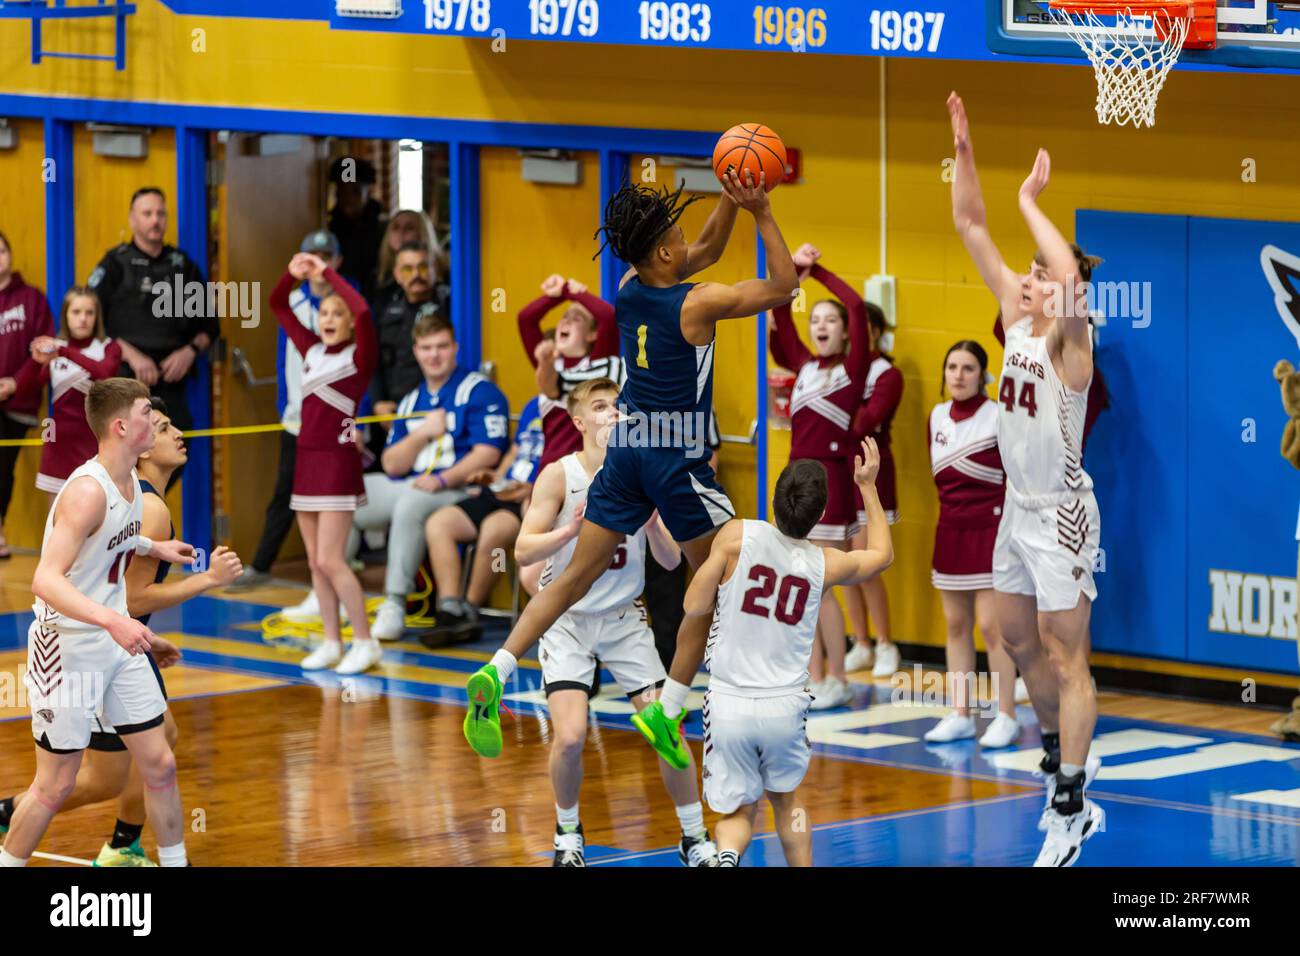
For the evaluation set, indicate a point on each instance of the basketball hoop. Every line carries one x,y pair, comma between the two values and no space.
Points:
1133,47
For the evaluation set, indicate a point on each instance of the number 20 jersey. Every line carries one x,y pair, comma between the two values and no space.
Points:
1040,422
766,615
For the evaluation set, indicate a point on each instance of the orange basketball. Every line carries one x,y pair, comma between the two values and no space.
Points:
753,147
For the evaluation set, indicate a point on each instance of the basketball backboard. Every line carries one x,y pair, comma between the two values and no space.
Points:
1251,34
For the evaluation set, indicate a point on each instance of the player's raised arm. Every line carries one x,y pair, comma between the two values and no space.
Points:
713,238
854,567
1070,334
536,541
79,514
711,302
969,219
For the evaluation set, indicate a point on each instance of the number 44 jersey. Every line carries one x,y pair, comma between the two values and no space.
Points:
766,615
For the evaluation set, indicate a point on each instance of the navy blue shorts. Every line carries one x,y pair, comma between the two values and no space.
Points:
635,481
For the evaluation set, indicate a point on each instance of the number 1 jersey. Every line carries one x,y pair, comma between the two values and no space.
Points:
766,615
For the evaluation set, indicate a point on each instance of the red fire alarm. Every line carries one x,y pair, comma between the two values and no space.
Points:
793,165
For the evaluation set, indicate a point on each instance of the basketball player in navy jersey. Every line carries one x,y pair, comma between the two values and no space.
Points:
667,329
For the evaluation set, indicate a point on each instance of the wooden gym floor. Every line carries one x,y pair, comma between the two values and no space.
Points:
295,771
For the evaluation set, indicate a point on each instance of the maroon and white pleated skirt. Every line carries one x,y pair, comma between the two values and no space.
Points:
963,558
328,479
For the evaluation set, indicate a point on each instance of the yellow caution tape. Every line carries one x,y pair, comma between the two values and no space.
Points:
222,432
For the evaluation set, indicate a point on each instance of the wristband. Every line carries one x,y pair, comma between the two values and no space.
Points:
442,481
143,545
197,350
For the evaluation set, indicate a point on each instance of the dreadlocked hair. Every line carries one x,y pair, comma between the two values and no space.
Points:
636,216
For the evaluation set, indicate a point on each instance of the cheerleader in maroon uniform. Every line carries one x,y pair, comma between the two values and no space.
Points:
880,398
327,482
585,346
70,366
963,437
829,380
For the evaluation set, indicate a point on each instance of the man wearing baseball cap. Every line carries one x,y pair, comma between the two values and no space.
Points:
305,302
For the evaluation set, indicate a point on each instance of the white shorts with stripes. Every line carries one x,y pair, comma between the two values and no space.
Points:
753,745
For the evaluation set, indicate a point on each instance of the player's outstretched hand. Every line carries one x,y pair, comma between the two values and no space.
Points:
175,552
960,124
1038,177
165,653
553,285
224,567
750,194
576,287
131,635
867,465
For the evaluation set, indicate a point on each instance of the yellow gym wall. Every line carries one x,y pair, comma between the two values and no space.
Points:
551,226
1209,124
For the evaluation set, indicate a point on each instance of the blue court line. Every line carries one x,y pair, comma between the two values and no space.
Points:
845,824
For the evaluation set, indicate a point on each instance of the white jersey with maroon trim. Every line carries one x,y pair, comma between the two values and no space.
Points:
1040,425
66,374
766,615
99,571
624,581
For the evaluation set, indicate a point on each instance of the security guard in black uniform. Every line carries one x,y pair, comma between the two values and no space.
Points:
160,341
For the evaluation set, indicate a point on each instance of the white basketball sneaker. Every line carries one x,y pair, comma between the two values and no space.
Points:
1066,835
327,655
887,660
390,622
309,610
1090,768
1022,691
361,656
954,726
1001,733
861,656
832,693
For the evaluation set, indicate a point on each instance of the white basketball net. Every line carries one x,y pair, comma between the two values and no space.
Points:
1131,60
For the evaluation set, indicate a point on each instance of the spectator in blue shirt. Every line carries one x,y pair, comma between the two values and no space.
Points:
491,516
428,461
